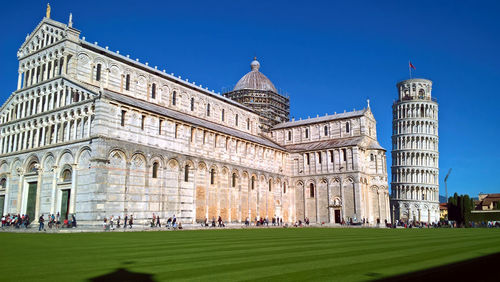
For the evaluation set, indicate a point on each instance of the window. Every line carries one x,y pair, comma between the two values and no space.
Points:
153,91
127,82
284,188
123,118
160,123
289,135
66,175
3,183
270,184
208,110
236,120
307,158
347,129
344,152
186,173
175,130
253,182
248,124
307,133
233,182
155,170
143,118
174,98
222,115
371,157
212,176
311,190
326,130
319,157
98,73
192,104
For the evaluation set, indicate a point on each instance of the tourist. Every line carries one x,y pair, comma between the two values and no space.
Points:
219,221
125,221
158,224
41,220
73,220
174,220
3,221
213,221
118,222
169,221
111,223
131,221
180,225
105,224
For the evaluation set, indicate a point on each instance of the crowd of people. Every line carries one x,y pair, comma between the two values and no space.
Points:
24,221
112,223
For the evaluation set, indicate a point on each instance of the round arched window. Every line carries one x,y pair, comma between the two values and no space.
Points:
66,175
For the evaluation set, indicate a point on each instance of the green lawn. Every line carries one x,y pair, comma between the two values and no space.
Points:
267,254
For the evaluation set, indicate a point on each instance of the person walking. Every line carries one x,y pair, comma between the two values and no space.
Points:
131,221
73,220
158,224
41,220
118,222
125,221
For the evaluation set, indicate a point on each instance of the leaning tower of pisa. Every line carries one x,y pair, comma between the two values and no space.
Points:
415,165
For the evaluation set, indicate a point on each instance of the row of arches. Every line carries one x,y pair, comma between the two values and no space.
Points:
405,127
415,159
42,99
206,189
46,36
415,142
69,125
415,110
417,193
411,175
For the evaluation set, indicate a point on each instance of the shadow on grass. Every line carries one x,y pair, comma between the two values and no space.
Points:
123,275
478,269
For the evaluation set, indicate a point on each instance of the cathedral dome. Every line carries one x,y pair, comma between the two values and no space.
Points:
255,80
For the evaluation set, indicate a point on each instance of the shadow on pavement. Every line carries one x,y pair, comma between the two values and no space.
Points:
478,269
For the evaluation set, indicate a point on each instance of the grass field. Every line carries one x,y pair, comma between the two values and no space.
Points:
320,254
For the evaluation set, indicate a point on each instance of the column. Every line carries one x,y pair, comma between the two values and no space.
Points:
89,124
72,196
19,80
75,126
53,201
56,128
316,197
64,65
35,78
45,71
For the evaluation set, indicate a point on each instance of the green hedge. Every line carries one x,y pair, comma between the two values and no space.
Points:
484,216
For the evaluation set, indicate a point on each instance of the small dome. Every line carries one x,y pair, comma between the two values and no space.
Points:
255,80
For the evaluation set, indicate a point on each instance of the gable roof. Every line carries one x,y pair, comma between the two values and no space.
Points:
326,118
189,119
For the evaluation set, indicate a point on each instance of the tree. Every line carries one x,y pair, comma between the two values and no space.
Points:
459,208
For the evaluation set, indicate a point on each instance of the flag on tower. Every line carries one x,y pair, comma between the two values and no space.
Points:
412,66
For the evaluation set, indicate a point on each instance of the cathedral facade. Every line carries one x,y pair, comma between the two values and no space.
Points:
94,133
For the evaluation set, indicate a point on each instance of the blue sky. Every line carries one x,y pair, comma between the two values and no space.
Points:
328,56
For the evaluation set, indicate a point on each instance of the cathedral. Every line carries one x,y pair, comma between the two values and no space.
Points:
94,133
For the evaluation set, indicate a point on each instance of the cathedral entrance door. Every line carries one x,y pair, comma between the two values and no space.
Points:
337,216
65,203
31,203
2,203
